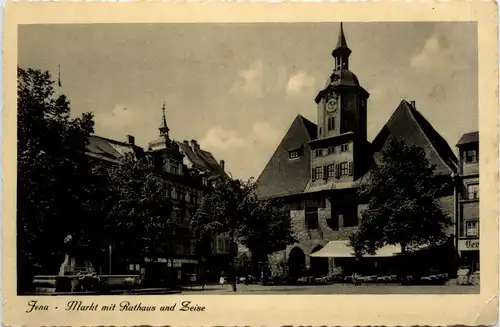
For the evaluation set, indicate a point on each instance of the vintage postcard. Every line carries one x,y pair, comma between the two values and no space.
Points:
193,164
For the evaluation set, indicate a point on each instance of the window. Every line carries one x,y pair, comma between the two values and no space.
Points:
194,198
317,173
472,228
169,190
344,147
174,169
294,154
471,156
350,169
318,153
188,196
312,218
362,103
204,180
320,131
173,193
344,168
331,123
331,150
181,194
472,191
330,171
350,215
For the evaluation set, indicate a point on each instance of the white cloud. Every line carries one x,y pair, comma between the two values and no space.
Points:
430,52
300,83
220,138
251,80
440,53
245,152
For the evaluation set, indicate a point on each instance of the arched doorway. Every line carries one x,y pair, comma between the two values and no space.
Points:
296,262
319,265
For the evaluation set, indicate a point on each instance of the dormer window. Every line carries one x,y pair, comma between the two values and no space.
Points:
294,154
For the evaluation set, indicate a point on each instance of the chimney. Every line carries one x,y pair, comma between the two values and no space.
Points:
186,142
131,139
222,164
195,146
413,104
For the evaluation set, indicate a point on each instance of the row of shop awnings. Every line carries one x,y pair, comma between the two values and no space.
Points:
341,249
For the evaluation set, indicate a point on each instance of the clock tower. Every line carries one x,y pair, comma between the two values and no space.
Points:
341,121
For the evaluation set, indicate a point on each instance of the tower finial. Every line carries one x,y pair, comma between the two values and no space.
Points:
163,127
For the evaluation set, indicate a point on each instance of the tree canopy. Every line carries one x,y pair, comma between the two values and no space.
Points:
232,208
403,196
142,220
54,195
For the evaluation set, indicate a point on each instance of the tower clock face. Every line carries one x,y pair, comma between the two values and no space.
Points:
333,104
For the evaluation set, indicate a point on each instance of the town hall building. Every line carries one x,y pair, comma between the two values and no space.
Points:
317,168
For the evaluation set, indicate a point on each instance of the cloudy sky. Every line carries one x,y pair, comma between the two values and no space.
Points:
237,87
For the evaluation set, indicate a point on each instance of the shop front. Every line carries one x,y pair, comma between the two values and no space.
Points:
469,253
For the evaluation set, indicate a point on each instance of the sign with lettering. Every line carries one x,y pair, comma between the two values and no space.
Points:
468,245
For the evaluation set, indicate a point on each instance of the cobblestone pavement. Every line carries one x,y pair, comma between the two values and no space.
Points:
334,289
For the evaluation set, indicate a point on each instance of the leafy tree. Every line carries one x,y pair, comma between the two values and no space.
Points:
268,228
53,188
403,203
142,221
233,209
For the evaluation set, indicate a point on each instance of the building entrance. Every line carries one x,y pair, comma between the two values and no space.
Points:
296,262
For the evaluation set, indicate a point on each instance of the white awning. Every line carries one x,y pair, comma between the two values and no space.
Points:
341,249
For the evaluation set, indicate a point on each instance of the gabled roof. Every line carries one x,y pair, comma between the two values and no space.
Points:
283,176
408,124
468,138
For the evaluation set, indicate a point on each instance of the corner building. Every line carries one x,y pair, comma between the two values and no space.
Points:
317,168
468,201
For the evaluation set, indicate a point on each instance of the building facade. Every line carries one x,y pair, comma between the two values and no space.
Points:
468,200
317,167
188,171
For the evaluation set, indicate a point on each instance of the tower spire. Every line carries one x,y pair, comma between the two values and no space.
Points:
341,52
163,127
341,41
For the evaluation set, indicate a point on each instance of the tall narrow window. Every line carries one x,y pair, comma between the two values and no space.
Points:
319,152
331,123
344,147
331,170
318,171
312,218
350,169
350,215
344,168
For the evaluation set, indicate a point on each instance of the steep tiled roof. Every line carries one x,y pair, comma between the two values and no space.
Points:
107,149
201,159
408,124
283,176
467,138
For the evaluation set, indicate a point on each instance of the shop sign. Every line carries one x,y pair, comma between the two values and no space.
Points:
468,245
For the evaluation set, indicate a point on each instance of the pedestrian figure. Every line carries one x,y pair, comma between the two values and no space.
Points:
222,280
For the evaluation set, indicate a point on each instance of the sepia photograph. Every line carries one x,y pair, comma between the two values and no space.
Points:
250,158
241,164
